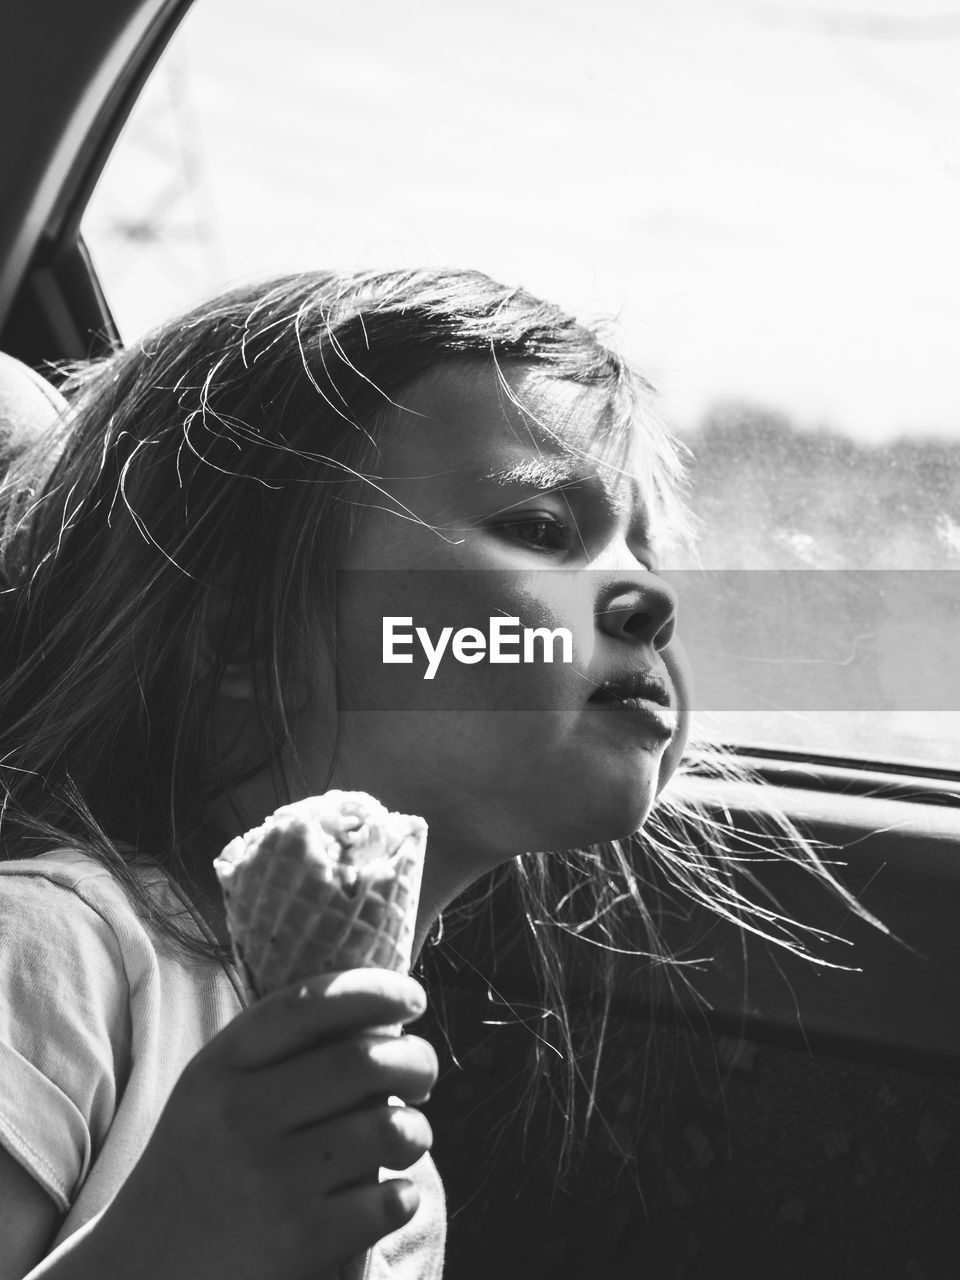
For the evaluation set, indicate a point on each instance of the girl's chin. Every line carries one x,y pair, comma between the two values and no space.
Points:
618,819
557,831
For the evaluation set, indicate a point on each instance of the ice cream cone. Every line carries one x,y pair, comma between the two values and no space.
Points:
328,883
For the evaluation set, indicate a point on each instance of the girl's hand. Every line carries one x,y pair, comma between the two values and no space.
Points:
260,1165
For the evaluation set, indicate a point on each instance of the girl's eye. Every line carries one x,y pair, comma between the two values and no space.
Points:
541,532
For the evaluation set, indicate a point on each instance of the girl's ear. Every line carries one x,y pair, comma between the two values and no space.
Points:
241,678
236,679
238,682
244,673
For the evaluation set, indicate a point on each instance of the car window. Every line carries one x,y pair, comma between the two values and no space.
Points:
762,201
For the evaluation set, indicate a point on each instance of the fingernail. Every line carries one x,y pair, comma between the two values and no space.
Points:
408,1197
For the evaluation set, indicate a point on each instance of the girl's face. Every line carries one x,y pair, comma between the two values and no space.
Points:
483,510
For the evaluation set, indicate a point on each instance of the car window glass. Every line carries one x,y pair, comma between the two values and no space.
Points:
762,199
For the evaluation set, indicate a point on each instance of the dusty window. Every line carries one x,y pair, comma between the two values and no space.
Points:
762,198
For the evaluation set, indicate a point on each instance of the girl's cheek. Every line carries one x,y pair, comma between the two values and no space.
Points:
678,665
385,610
557,598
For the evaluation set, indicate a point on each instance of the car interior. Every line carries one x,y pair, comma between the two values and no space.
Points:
755,1113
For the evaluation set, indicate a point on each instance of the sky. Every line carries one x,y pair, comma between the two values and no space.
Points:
761,197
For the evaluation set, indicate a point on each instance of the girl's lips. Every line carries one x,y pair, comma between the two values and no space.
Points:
640,712
643,686
640,699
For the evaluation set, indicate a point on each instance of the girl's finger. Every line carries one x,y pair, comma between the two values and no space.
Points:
310,1013
340,1077
342,1151
365,1214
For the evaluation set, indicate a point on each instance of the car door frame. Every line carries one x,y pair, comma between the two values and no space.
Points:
80,68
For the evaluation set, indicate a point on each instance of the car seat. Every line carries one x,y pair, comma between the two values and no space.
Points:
716,1150
29,404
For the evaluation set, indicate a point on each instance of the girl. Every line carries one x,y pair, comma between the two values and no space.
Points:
198,571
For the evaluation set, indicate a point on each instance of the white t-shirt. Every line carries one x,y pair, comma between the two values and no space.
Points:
99,1014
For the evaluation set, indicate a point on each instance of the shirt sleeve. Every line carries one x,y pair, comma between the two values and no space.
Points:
64,1030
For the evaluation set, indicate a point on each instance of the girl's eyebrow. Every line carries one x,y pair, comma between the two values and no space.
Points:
535,473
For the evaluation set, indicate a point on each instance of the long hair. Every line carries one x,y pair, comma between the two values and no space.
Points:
219,465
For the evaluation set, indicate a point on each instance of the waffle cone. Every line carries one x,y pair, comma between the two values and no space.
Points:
329,883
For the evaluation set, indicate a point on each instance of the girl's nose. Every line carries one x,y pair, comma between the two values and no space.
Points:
640,614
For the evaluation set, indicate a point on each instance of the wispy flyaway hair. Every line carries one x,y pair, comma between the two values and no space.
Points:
214,470
222,459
